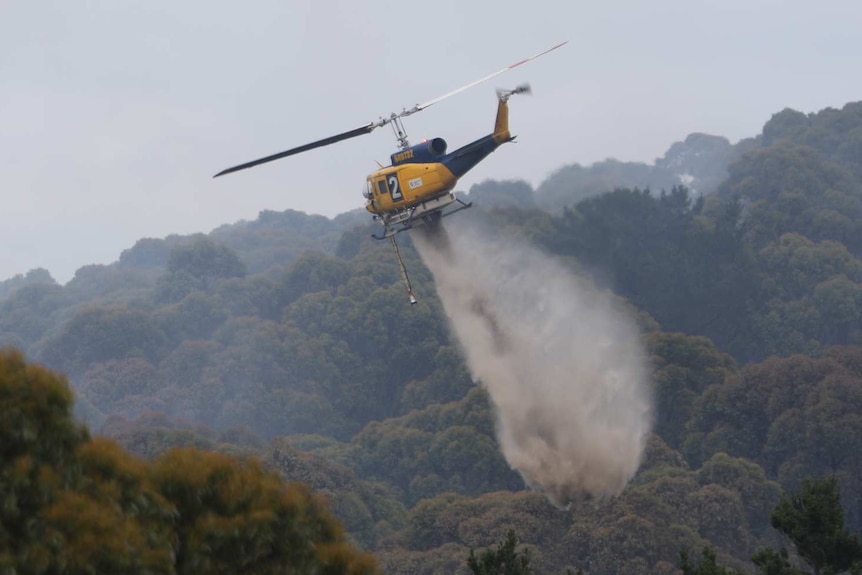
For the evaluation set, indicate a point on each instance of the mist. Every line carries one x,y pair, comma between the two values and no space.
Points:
562,363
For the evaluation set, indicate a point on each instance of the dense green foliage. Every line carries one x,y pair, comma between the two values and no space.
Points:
705,565
813,520
506,559
290,338
72,504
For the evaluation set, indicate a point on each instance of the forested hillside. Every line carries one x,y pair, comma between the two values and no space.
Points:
290,338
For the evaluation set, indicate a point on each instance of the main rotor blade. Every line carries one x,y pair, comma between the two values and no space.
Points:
421,107
304,148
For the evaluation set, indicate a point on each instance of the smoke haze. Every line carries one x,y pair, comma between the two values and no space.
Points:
564,367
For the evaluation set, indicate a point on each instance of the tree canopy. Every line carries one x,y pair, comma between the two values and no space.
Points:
73,504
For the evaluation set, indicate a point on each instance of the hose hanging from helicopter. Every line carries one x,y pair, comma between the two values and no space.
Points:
403,269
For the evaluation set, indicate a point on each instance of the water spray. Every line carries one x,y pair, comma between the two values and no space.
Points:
564,367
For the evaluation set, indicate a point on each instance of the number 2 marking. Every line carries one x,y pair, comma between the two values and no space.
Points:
394,187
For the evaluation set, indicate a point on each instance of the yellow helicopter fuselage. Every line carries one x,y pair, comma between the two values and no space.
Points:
396,188
421,178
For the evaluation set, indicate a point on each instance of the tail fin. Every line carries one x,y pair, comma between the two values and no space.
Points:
501,125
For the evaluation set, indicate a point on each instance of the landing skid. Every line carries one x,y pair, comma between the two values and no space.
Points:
426,213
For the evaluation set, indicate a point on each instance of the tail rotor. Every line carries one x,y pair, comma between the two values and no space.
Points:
504,95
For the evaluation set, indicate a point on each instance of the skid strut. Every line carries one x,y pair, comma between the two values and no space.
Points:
403,269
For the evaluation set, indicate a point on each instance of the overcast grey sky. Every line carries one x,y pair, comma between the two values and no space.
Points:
114,115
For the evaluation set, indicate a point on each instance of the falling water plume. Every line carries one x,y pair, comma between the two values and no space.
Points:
562,363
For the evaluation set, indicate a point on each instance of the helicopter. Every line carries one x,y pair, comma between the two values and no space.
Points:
417,188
